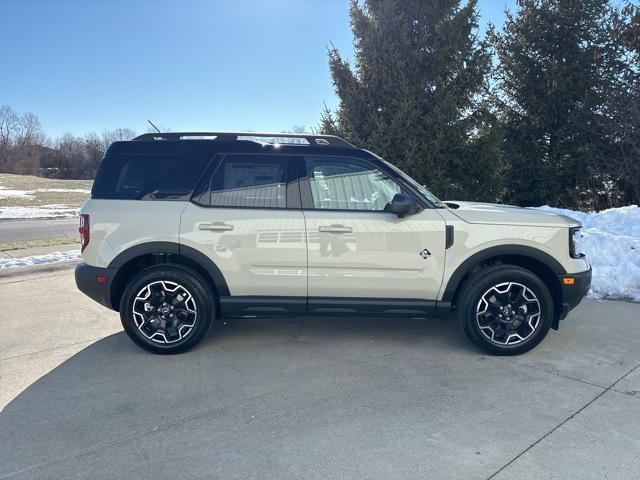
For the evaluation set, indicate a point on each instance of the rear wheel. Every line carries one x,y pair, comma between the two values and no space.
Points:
167,309
505,310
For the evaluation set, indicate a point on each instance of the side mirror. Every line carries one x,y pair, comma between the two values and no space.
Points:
403,205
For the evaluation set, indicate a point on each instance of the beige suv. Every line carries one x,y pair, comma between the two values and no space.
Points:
185,229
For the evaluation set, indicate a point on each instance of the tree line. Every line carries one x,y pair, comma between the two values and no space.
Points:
545,110
26,150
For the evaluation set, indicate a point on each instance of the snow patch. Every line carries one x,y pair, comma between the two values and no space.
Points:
61,190
29,194
42,211
7,193
54,257
611,242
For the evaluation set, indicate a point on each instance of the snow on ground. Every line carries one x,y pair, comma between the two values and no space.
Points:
42,211
28,194
611,242
54,257
60,190
7,193
35,210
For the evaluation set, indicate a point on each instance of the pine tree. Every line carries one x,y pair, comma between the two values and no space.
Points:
558,65
414,94
624,107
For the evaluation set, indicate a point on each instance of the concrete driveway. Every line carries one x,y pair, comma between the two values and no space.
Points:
313,399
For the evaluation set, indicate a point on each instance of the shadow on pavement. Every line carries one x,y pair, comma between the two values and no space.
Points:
113,389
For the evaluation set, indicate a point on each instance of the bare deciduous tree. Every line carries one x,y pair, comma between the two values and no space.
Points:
20,136
24,149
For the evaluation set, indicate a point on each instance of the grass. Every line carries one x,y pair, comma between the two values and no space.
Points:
28,182
20,244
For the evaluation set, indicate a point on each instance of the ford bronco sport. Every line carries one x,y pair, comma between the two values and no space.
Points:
183,230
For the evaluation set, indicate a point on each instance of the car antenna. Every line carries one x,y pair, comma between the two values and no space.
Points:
151,123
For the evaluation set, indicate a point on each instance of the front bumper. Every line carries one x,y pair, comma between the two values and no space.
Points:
573,293
95,282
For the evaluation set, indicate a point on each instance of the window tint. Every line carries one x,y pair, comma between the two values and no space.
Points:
249,181
349,184
155,177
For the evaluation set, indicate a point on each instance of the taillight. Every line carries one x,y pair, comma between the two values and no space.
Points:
84,231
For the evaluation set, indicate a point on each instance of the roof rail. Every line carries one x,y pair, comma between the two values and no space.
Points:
233,136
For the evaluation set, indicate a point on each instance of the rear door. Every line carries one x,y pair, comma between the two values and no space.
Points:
247,218
358,250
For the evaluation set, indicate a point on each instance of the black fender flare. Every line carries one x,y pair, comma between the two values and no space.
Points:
174,248
498,251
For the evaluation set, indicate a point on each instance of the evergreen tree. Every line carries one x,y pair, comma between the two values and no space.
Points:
414,94
558,65
624,108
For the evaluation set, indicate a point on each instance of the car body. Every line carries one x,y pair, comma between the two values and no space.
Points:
317,227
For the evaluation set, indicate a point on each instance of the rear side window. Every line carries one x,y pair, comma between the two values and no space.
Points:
254,181
154,177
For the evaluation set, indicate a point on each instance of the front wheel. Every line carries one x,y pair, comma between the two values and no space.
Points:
505,310
167,309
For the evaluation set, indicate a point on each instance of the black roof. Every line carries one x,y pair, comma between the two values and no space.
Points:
269,137
237,142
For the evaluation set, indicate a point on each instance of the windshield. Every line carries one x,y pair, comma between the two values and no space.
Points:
421,188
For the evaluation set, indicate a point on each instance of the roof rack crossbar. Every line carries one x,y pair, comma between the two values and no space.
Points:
233,136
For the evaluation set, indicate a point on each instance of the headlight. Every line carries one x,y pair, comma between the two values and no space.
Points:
575,242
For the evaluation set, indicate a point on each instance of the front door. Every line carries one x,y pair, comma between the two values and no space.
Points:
358,250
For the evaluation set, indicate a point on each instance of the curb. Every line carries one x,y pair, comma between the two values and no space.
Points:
31,269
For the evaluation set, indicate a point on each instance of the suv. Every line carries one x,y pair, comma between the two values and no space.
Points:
183,230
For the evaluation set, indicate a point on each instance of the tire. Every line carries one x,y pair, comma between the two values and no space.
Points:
505,310
167,309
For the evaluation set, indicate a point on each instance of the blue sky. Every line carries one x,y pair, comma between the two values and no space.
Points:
91,65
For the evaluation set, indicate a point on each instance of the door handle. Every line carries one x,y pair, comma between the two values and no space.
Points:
334,229
215,226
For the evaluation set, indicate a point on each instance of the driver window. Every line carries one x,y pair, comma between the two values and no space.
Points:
349,184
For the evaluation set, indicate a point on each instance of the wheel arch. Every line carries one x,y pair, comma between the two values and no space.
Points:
136,258
537,261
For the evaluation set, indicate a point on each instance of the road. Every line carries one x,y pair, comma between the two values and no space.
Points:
299,398
37,229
